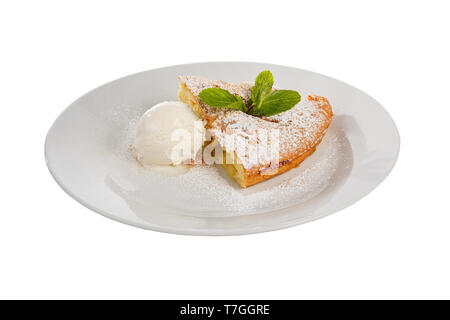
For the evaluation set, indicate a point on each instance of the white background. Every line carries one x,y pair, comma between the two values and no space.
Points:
394,243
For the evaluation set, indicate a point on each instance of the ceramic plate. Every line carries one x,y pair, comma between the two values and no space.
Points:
87,152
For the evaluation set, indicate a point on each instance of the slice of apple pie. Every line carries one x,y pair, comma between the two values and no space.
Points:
258,148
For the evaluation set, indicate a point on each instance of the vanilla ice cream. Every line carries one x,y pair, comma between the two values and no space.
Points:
170,133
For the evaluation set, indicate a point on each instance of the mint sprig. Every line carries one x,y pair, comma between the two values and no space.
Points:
276,102
264,101
263,86
221,98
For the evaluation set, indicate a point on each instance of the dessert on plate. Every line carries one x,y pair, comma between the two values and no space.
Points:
260,131
301,128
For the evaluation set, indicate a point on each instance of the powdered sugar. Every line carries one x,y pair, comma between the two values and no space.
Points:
298,129
207,191
197,84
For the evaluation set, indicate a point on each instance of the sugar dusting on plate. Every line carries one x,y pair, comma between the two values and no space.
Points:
208,191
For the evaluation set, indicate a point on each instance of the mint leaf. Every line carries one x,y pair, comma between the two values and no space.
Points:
277,102
221,98
263,87
238,105
217,97
263,101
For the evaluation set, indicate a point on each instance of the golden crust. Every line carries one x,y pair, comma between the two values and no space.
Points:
301,128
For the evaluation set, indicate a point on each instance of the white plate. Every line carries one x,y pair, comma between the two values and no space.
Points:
86,152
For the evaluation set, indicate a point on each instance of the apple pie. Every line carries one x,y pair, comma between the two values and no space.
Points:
294,133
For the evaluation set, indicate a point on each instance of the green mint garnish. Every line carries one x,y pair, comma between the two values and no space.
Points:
276,102
263,86
264,102
221,98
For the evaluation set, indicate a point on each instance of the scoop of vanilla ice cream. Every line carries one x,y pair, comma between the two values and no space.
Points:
169,133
